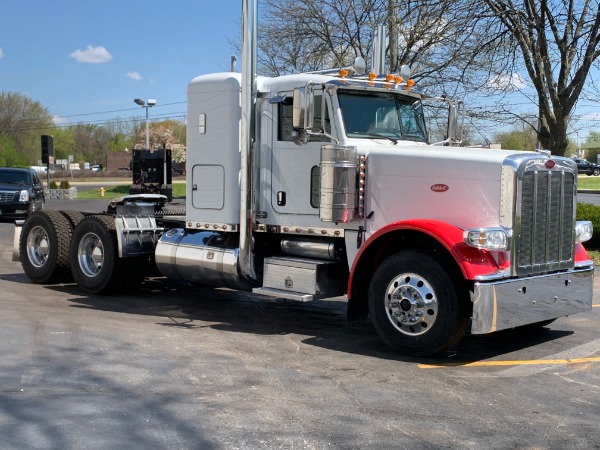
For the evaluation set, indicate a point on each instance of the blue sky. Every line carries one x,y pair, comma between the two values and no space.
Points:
86,60
79,58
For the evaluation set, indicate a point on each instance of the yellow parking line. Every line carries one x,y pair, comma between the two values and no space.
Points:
533,362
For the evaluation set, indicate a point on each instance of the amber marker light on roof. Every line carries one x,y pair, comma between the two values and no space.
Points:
372,77
343,73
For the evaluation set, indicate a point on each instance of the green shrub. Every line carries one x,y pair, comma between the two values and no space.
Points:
53,185
64,184
589,212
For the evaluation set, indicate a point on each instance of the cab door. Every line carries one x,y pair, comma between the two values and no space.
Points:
295,174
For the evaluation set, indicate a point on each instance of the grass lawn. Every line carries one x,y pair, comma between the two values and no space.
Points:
120,190
585,182
594,256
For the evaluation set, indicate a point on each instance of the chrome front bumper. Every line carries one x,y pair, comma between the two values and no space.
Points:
507,304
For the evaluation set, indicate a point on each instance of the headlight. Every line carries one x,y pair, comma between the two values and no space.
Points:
487,238
583,230
24,196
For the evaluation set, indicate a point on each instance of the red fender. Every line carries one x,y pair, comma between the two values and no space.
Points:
581,254
472,261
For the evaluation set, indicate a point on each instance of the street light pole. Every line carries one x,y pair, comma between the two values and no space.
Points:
146,104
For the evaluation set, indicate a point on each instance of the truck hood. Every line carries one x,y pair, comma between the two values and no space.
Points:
457,185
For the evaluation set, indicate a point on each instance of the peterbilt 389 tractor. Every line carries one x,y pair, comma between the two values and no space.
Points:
325,184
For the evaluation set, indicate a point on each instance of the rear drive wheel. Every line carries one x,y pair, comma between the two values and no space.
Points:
96,265
44,247
414,305
74,217
94,257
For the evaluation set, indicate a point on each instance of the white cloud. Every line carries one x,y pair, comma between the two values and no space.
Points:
134,76
1,53
59,120
91,55
513,82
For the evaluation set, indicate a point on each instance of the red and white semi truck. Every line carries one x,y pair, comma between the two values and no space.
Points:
325,184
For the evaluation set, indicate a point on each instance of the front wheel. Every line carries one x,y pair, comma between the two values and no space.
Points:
414,305
596,171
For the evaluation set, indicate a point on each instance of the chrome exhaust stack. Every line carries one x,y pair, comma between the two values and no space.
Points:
248,100
379,43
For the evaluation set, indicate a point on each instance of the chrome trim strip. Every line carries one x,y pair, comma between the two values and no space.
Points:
499,275
511,303
302,231
582,264
232,227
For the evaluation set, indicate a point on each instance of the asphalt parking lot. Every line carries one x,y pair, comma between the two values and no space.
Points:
178,366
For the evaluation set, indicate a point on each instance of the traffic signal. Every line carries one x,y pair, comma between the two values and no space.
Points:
47,148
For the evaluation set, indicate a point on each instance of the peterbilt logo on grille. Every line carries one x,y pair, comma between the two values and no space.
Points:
440,187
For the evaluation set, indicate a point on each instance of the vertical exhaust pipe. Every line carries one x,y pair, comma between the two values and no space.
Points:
248,100
379,41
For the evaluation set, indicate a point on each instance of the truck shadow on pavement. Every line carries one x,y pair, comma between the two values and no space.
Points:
321,323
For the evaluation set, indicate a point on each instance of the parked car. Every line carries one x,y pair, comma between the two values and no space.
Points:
21,192
586,167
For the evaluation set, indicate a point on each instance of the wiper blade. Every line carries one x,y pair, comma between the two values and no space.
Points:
383,136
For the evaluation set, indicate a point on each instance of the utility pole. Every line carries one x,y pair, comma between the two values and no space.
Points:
393,35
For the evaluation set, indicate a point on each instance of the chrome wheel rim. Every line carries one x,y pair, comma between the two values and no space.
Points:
38,246
90,254
411,304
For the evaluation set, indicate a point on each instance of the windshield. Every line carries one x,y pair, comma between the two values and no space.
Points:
382,115
13,177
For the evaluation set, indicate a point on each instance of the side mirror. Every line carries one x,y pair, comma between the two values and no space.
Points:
303,109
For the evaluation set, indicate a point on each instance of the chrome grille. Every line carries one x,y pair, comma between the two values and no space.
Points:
546,224
7,196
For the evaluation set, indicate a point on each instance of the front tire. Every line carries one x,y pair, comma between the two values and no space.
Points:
414,305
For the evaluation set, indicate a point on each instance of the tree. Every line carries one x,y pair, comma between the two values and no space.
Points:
593,136
556,42
316,34
524,138
91,142
484,51
122,134
23,120
321,34
165,134
9,156
64,142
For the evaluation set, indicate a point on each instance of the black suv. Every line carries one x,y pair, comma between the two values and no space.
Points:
21,192
589,168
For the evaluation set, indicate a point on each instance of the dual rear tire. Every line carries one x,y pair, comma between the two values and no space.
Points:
57,247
